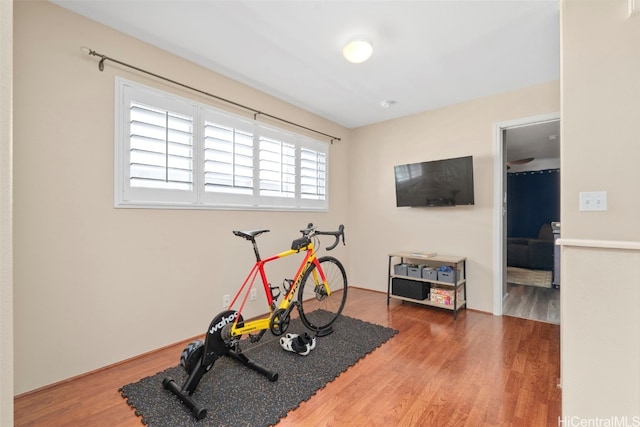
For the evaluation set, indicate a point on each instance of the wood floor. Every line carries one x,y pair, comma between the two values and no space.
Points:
531,302
479,370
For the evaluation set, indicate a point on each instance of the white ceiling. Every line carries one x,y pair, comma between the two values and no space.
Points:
427,54
540,141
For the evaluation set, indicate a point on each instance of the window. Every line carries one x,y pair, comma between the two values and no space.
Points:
173,152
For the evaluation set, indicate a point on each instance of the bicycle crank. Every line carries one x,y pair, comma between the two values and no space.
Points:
280,320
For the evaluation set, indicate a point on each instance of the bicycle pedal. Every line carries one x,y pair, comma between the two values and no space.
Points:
256,337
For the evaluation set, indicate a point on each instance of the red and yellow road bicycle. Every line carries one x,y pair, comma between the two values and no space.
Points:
320,285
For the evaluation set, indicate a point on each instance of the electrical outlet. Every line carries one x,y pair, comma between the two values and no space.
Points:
226,300
253,294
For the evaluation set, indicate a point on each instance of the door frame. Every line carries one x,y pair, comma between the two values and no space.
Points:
499,201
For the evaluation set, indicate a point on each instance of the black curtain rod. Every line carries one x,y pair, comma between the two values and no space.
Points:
255,112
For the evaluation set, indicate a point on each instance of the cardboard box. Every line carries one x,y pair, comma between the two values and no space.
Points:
445,296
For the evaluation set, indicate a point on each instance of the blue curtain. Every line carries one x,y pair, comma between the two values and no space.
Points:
533,198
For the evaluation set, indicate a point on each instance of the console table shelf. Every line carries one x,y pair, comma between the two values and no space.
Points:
457,284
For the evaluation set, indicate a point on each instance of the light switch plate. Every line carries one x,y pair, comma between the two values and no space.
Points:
593,200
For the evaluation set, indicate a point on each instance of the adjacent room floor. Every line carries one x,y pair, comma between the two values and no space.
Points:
532,303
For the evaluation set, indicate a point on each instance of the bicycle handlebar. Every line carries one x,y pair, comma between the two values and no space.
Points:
311,231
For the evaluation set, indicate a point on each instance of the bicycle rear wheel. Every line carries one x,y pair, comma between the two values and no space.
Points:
318,310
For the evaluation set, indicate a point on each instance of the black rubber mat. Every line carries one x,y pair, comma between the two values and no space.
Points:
235,395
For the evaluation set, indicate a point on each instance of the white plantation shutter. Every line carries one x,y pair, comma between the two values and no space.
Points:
314,164
161,149
228,160
229,157
313,174
156,149
277,171
173,152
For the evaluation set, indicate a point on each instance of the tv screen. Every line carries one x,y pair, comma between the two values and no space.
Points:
446,182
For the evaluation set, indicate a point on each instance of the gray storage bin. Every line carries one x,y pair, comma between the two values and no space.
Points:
400,269
414,271
429,273
445,276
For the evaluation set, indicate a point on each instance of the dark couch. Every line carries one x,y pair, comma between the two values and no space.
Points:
534,254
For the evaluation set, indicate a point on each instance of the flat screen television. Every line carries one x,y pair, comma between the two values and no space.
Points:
447,182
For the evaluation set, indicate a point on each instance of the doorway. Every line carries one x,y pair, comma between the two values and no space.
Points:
526,149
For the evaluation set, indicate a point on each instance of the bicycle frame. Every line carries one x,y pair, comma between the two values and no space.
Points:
258,268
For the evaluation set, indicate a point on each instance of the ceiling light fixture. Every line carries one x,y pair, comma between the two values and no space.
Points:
387,104
357,51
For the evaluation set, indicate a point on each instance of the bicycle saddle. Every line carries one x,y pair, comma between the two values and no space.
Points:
249,235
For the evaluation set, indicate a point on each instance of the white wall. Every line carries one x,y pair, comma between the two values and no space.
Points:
459,130
82,296
6,215
600,282
95,285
